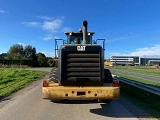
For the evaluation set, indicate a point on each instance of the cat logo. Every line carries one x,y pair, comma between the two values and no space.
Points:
81,48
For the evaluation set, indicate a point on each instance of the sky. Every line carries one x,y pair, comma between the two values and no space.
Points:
130,27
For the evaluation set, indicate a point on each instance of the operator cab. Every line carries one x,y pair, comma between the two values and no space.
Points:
80,59
77,37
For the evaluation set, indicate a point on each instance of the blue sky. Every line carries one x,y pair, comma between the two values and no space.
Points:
130,27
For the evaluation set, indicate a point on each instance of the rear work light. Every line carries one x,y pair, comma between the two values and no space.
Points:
45,83
116,83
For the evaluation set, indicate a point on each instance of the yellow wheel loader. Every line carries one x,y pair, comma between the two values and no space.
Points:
80,72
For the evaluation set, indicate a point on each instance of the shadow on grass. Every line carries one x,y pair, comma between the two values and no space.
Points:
146,100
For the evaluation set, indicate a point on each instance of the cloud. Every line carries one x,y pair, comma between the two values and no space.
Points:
31,24
3,11
66,29
45,17
125,37
56,37
48,37
117,54
53,25
23,44
118,38
48,54
153,51
49,24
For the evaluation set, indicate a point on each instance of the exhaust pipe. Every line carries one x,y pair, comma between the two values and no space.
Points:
85,23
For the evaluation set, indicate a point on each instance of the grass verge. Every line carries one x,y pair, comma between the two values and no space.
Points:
148,82
12,79
141,70
147,101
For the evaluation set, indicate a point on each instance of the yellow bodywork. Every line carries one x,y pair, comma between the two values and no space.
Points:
56,92
55,62
108,63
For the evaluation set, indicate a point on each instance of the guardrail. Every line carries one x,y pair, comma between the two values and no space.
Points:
142,86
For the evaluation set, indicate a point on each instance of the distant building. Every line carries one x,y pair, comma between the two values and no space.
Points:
134,60
150,61
125,60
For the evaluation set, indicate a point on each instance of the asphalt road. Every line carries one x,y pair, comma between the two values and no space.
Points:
137,75
27,104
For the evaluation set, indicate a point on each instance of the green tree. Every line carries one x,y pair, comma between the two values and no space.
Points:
16,51
42,60
33,55
30,52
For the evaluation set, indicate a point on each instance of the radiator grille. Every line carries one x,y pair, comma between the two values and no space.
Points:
81,65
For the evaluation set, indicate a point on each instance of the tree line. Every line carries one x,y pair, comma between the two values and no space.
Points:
25,55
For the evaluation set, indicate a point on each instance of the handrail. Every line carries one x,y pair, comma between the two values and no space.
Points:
148,88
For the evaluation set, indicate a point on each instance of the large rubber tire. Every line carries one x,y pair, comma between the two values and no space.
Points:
53,77
108,76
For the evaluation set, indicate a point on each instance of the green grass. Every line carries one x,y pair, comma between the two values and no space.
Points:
148,82
12,79
142,70
147,101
